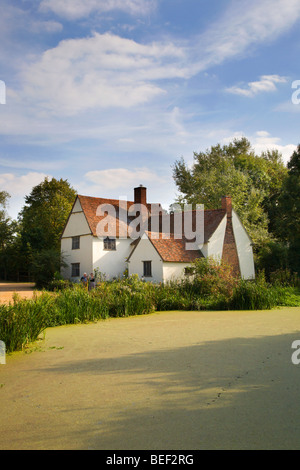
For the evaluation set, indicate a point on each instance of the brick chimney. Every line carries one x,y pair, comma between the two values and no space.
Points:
140,195
227,205
230,254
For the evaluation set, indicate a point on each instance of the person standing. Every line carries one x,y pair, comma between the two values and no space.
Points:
92,281
84,279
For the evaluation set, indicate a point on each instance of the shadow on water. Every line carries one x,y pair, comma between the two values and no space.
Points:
240,393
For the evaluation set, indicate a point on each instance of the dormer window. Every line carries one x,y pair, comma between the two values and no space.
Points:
109,244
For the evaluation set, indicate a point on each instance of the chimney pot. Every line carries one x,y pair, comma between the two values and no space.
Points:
227,205
140,195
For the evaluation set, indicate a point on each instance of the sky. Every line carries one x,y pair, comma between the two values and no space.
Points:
108,94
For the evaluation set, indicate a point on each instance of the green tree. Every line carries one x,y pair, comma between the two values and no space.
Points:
44,265
45,213
288,211
8,234
42,221
252,181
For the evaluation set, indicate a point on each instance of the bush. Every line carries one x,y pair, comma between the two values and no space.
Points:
211,278
272,257
59,284
287,296
285,278
44,265
252,295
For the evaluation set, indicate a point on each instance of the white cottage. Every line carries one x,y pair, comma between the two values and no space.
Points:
113,236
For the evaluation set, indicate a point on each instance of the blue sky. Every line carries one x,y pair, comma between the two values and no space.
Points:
108,94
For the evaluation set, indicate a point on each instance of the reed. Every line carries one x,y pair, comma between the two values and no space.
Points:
23,320
250,295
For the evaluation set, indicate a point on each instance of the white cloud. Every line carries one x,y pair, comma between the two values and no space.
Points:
121,178
46,26
263,141
243,25
108,71
288,107
18,187
266,84
176,121
109,78
101,71
14,19
118,183
75,9
33,164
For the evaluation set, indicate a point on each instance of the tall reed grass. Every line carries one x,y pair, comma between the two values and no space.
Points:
22,321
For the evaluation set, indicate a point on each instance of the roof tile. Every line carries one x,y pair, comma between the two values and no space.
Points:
169,247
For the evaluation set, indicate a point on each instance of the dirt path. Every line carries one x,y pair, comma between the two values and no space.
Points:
173,380
7,290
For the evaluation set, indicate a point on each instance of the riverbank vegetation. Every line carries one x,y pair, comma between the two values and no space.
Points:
210,287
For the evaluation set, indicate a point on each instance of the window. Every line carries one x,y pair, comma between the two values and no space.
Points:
109,244
189,270
147,268
75,243
75,269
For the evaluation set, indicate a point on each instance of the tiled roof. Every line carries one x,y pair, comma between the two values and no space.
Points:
173,250
90,206
206,225
120,218
212,219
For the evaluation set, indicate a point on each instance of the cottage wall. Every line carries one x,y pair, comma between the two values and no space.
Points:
214,248
244,248
111,263
82,256
145,251
173,271
77,225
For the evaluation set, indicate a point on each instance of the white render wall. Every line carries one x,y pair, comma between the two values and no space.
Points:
145,251
111,263
77,225
82,256
173,271
214,248
244,248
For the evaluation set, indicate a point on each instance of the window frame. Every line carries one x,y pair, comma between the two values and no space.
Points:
189,271
109,244
147,268
76,243
73,267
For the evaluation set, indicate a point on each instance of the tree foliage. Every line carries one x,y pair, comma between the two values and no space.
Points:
253,182
288,211
42,221
31,246
8,233
44,264
45,213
